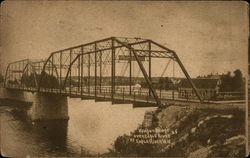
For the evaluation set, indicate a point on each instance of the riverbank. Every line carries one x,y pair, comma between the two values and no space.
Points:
186,131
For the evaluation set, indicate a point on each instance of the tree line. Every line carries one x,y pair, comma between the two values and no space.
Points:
232,82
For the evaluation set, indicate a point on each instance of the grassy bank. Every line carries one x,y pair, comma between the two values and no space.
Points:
185,131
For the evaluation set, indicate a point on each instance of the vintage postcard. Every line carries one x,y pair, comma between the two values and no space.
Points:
124,79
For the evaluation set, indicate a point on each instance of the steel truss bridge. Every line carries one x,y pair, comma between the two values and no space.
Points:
102,70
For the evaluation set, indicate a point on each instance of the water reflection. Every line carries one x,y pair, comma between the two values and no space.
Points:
54,133
91,129
20,136
97,125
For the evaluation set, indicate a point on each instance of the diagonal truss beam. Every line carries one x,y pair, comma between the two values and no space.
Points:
6,73
33,71
69,69
43,70
183,70
143,71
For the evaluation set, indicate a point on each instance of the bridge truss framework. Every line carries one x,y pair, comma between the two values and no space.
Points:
84,68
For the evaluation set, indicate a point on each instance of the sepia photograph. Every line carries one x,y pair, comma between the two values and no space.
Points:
124,79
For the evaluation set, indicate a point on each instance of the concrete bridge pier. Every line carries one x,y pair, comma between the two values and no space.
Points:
49,107
45,106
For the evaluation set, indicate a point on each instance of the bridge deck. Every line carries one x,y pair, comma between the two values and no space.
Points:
121,96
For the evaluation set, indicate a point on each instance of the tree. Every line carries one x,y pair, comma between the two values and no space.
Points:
28,80
226,82
48,81
231,83
237,81
165,83
1,78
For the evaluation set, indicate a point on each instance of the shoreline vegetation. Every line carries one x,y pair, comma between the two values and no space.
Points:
185,131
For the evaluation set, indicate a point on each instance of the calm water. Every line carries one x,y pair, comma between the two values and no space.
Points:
91,129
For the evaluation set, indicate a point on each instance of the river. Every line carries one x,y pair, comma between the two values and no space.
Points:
91,129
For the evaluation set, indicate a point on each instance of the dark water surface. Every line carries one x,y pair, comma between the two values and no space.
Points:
91,129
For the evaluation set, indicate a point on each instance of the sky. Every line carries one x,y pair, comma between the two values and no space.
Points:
208,37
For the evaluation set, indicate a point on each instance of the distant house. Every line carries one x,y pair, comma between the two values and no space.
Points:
208,88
